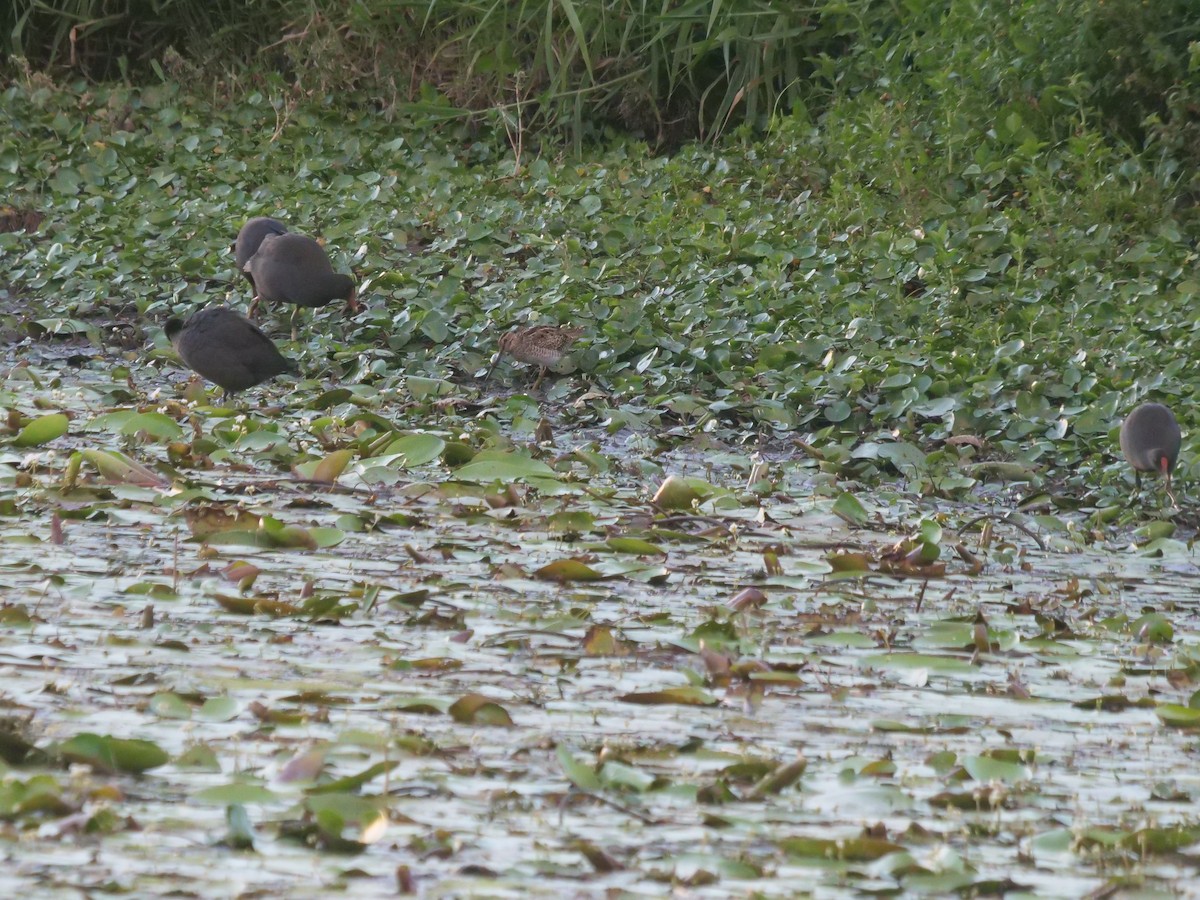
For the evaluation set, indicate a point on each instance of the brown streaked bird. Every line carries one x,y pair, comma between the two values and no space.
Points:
228,349
539,345
249,239
1150,440
294,268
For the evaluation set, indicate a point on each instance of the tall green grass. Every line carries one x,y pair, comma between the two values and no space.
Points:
671,70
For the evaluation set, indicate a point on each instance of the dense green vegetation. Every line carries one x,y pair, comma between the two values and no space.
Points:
818,568
881,276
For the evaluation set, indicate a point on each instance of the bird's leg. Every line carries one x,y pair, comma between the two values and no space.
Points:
295,315
492,368
541,375
1137,489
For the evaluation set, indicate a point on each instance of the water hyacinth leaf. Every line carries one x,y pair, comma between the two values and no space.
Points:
206,520
252,606
457,453
855,849
848,563
563,570
1154,531
571,522
1174,715
987,768
355,781
324,537
280,534
338,812
634,545
428,388
1153,628
417,449
682,696
621,776
328,470
156,425
490,466
783,777
113,754
680,493
850,510
910,661
237,792
582,776
476,709
1161,840
169,706
42,430
239,831
115,466
907,458
218,709
600,641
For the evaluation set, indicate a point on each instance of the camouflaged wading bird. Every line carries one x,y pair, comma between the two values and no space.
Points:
294,268
225,347
1150,440
250,238
540,345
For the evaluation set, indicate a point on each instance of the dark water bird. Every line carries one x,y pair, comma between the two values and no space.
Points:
540,345
228,349
294,268
250,238
1150,441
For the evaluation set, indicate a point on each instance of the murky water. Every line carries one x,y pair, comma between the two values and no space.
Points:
887,687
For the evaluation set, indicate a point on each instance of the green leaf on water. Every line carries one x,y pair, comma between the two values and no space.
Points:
568,570
416,449
1177,716
114,465
581,775
683,696
218,709
504,466
853,849
237,792
476,709
113,754
987,768
332,466
169,706
850,509
634,545
42,430
156,425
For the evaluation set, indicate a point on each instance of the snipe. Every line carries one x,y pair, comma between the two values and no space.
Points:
540,345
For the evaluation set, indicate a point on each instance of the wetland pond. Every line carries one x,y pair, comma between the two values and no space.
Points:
386,642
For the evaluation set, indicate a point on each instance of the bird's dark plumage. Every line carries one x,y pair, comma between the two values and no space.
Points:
251,237
1150,440
294,268
228,349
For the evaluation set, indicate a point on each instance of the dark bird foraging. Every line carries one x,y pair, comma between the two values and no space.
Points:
228,349
540,345
250,238
1150,440
294,268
